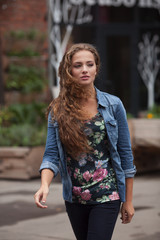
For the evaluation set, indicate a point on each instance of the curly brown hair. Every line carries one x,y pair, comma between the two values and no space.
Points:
66,108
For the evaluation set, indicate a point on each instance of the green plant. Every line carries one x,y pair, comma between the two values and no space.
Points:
26,43
154,112
5,116
33,113
34,34
129,115
31,34
23,125
19,34
25,79
22,135
27,52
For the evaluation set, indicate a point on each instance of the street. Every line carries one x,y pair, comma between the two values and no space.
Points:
20,219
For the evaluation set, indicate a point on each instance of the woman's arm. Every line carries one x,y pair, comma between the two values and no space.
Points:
41,195
126,156
127,209
50,165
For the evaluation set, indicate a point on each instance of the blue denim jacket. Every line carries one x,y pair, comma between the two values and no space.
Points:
113,112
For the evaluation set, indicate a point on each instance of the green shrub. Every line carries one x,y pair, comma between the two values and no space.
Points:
23,125
154,112
22,135
25,79
5,116
129,115
30,41
18,35
31,34
33,113
27,52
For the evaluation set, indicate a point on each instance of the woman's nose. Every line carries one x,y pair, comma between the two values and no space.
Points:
84,69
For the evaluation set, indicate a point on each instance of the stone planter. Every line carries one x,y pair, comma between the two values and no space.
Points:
20,162
24,162
145,138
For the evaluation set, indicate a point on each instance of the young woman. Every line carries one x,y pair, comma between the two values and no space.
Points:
88,142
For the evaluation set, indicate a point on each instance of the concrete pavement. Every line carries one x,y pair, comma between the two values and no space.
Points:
20,219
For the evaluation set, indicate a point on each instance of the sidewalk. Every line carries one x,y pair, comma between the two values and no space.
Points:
20,219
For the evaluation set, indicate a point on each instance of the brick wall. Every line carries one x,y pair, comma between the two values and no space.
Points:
21,14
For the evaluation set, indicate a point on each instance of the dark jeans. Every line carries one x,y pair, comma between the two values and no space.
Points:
93,222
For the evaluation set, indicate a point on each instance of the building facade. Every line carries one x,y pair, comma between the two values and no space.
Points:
126,34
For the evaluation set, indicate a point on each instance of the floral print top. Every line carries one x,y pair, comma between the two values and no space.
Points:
92,175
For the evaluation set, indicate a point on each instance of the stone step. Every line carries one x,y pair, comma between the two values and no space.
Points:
20,162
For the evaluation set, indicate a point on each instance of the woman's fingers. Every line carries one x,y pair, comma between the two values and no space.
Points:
123,215
40,198
126,217
127,212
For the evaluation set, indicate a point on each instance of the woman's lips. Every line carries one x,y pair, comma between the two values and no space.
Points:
84,77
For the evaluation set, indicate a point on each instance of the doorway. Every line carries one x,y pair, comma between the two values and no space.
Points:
117,52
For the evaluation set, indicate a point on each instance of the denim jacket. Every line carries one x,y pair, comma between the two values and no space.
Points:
113,112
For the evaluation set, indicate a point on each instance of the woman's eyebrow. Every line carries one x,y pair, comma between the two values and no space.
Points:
90,61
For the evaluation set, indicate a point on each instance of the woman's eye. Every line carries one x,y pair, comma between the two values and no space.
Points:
77,66
90,65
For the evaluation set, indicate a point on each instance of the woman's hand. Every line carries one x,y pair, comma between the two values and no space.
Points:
127,212
41,196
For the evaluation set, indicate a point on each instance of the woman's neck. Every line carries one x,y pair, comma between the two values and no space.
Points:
90,93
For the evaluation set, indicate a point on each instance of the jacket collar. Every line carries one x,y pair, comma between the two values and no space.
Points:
100,98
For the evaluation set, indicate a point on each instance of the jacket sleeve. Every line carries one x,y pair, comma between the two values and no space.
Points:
124,143
51,154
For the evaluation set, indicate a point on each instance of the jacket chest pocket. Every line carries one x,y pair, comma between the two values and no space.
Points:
112,130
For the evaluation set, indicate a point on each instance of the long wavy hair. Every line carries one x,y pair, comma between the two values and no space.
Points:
66,108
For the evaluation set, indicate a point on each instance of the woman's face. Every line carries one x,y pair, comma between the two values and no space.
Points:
83,67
